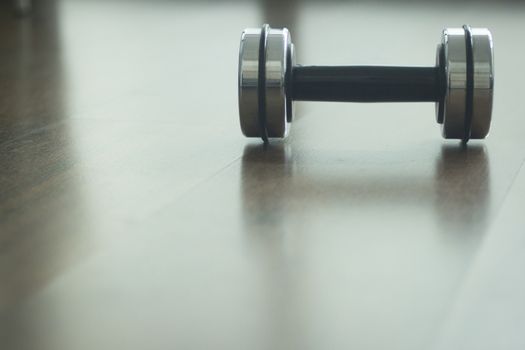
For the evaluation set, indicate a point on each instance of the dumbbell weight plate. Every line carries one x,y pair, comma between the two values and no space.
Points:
248,81
277,57
455,118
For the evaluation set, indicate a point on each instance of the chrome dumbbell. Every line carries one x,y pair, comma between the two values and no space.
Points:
461,84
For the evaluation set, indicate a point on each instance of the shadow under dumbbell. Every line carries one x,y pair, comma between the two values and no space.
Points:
277,183
462,188
309,213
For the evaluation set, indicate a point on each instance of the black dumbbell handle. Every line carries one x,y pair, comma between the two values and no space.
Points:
367,83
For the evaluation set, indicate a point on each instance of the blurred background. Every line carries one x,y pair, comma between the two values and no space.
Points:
134,214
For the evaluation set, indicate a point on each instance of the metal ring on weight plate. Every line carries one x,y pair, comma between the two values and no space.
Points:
455,56
290,63
482,54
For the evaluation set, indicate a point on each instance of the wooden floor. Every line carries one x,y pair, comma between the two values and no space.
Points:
134,214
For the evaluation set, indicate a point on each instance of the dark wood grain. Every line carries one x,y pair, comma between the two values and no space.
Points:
133,214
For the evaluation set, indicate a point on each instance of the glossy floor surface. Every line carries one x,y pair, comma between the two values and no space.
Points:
134,214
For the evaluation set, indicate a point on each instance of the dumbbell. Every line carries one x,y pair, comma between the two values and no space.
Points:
461,83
